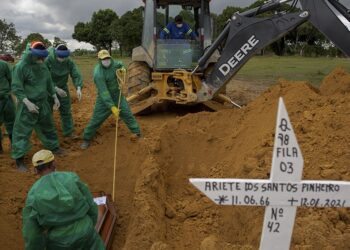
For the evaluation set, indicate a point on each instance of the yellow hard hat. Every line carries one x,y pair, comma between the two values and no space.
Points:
42,157
103,54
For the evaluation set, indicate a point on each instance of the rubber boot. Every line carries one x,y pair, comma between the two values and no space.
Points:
135,137
21,166
72,136
85,144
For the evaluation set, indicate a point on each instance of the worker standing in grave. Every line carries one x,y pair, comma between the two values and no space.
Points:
60,212
107,100
61,66
7,106
178,30
32,84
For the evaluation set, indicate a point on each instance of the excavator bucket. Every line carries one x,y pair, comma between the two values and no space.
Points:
332,19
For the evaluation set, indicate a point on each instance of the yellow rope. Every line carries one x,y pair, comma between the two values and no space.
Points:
121,75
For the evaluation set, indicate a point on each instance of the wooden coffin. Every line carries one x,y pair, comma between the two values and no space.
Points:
107,217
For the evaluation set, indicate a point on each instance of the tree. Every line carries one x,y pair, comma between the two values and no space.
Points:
82,32
221,20
188,17
8,37
31,38
127,31
98,31
57,41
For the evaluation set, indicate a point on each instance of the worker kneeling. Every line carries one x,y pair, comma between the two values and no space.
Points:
60,212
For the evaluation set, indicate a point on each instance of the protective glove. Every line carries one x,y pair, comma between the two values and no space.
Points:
121,71
57,104
61,92
31,106
115,112
79,94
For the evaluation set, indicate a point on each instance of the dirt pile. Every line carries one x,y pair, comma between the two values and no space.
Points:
239,144
158,208
337,82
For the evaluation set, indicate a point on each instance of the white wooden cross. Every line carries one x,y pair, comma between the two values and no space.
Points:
282,193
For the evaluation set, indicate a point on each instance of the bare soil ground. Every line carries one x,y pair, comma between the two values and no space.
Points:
157,207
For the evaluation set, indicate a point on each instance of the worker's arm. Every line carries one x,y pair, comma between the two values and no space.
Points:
50,84
75,74
102,88
119,64
17,85
48,63
165,32
31,230
8,74
93,210
190,32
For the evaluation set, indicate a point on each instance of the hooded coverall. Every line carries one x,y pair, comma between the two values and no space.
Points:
59,74
60,214
108,94
32,80
7,107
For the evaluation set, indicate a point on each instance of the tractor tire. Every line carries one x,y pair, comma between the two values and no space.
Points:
139,77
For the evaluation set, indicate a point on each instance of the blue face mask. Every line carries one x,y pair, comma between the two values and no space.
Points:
39,52
63,53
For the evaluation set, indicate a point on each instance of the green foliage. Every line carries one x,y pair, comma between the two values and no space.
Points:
98,31
32,37
106,30
82,32
188,17
160,20
8,37
305,40
221,20
84,52
57,41
127,31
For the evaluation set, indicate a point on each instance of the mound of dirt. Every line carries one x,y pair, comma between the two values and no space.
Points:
336,82
239,144
158,208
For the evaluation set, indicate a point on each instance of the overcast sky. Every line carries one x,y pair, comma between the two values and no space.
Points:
58,17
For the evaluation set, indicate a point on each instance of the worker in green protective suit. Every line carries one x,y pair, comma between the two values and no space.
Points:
7,107
31,84
61,66
60,212
108,98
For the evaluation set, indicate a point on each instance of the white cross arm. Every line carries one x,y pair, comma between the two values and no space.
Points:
246,192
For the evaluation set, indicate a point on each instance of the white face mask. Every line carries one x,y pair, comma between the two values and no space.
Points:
106,63
179,25
61,59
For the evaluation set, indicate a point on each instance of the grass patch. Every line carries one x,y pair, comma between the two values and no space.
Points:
263,69
269,69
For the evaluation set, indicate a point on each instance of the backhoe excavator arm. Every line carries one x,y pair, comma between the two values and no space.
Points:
246,34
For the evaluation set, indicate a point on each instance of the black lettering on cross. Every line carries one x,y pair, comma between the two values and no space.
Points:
284,125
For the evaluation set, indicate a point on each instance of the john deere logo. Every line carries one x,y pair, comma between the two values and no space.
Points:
239,55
